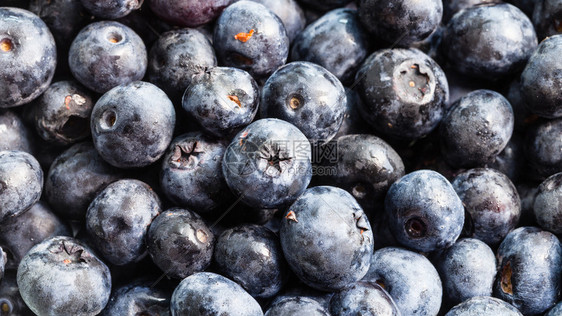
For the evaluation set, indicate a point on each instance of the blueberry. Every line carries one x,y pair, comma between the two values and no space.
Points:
176,57
484,305
267,164
296,305
541,80
336,41
222,100
21,183
106,54
61,276
403,92
132,124
14,135
467,269
476,129
528,277
208,293
363,298
491,202
546,18
118,219
543,149
250,37
401,21
503,49
111,9
290,13
409,278
424,212
190,13
137,298
556,310
180,243
547,204
62,113
251,255
28,57
326,238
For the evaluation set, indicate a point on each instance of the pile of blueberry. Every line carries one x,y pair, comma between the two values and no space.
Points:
281,157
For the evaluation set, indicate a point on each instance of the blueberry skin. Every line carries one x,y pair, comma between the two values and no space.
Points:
543,149
555,311
176,57
336,41
133,124
424,212
14,135
28,57
222,100
528,276
191,173
111,9
61,276
107,54
476,129
492,54
546,18
326,238
483,305
190,13
403,92
118,218
363,298
259,54
62,113
308,96
290,13
180,243
541,79
403,21
547,203
467,269
491,202
296,305
137,298
267,164
206,293
409,278
21,183
21,233
252,256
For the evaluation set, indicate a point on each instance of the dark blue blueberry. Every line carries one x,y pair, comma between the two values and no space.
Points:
11,302
28,57
111,9
191,173
19,234
324,5
14,135
176,57
547,204
138,298
307,96
180,243
222,100
106,54
503,48
451,7
267,164
189,13
547,17
467,269
543,149
62,113
326,238
401,21
403,92
132,124
484,305
296,305
61,276
290,13
476,129
250,37
336,41
491,202
409,278
363,298
118,219
541,80
530,261
75,178
21,183
424,212
555,311
208,293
